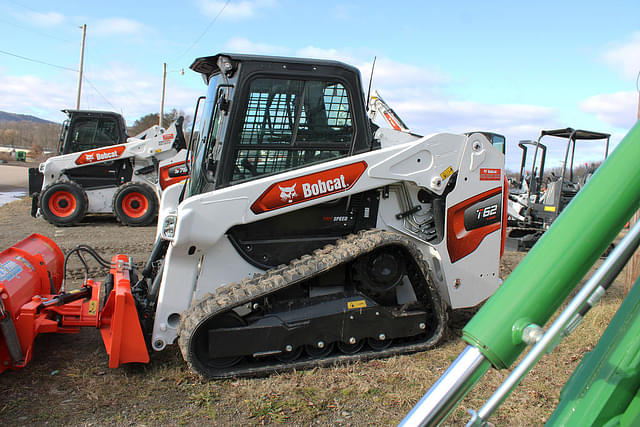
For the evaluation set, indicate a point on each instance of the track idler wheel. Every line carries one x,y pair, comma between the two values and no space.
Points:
63,203
135,204
319,350
289,355
199,343
378,344
351,347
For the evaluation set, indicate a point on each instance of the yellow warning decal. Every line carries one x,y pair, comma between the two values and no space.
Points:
357,304
93,307
447,173
549,208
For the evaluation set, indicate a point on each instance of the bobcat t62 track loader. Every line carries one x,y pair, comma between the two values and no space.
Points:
303,236
99,170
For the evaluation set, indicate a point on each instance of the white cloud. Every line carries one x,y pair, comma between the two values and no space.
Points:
116,26
618,109
134,93
624,57
115,87
426,114
388,74
242,45
44,19
320,53
419,95
28,94
234,10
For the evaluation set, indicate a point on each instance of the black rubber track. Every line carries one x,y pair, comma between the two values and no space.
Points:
345,250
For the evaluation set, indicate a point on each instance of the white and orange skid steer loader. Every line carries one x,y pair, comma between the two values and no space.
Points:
304,236
97,173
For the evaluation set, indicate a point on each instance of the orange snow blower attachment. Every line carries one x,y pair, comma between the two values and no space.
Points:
31,275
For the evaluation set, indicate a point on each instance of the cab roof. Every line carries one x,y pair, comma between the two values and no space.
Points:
579,134
208,65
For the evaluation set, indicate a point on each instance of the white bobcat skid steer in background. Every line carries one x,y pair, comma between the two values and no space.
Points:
126,179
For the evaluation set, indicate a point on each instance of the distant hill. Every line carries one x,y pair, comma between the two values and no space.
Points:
13,117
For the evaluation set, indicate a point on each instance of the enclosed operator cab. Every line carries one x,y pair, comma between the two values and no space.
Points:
86,130
288,114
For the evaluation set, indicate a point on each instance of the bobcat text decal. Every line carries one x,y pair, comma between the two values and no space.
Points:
308,187
100,155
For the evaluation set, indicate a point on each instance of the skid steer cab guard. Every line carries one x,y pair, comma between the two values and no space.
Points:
31,303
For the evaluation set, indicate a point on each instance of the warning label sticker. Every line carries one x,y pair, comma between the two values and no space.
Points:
446,173
9,270
93,307
356,304
487,174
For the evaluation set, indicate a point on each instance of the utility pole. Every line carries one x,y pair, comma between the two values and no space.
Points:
164,80
84,34
632,271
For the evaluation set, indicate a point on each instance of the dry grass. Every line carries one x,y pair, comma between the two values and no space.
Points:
68,383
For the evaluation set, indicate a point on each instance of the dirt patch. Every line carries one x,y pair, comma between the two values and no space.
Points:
69,382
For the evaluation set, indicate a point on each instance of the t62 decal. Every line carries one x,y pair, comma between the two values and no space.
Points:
469,221
308,187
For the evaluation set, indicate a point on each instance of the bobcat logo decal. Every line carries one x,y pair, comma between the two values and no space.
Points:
288,193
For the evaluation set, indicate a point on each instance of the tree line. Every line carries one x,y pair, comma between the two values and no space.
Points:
25,134
45,136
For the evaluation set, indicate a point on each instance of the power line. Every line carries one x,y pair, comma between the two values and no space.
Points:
63,68
99,93
49,36
205,31
38,62
24,6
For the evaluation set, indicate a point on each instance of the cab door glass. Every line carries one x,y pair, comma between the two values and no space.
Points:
289,124
90,133
206,149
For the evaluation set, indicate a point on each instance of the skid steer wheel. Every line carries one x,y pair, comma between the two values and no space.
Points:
135,204
63,203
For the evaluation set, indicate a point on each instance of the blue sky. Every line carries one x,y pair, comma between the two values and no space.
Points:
506,66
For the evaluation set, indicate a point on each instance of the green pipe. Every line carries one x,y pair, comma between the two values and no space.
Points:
564,254
604,387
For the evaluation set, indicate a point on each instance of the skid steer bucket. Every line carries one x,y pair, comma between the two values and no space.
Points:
119,324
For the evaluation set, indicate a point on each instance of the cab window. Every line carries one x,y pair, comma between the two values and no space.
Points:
93,132
289,124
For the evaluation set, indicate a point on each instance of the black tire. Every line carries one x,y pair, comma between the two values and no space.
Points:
63,203
135,204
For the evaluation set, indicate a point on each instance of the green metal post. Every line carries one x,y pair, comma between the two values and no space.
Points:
603,388
564,254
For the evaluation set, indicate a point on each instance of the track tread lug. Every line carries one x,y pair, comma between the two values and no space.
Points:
259,285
